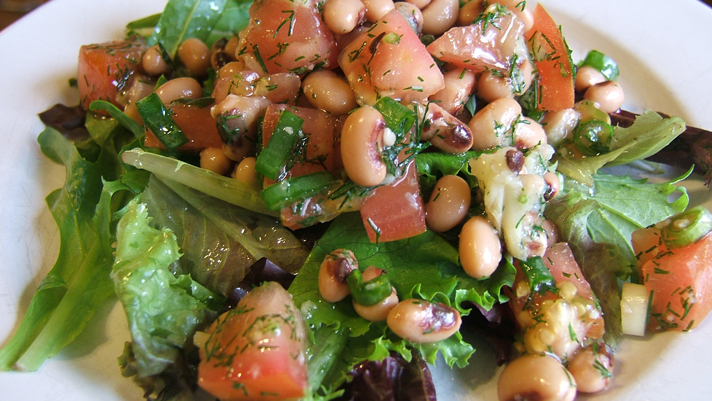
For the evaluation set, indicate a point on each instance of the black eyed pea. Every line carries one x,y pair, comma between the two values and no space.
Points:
536,377
491,87
586,77
419,3
377,312
333,273
153,62
195,55
516,7
412,14
553,185
469,12
449,203
342,16
245,171
327,91
179,88
361,146
480,249
439,16
493,124
214,159
420,321
528,134
375,9
592,368
459,83
608,95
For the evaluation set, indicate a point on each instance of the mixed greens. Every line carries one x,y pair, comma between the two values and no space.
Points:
172,241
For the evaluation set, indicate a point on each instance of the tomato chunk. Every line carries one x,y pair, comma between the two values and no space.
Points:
678,279
287,36
196,123
257,350
551,56
482,46
395,211
390,60
105,68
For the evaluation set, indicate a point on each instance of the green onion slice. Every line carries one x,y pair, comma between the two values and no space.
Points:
593,137
687,227
274,157
294,189
370,292
539,276
159,119
602,63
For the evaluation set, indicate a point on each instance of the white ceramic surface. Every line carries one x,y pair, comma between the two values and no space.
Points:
662,46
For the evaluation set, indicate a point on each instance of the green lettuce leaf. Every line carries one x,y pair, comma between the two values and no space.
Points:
163,310
598,222
79,281
425,267
234,18
186,19
649,133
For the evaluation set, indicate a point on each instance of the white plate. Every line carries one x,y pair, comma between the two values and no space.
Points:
665,55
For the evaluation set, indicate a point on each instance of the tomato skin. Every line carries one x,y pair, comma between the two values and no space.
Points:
105,68
395,210
377,65
196,123
679,279
257,350
556,76
468,47
281,33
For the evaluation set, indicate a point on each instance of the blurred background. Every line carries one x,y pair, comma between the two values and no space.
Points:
12,10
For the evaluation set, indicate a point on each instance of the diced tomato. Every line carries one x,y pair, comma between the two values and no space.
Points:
105,68
395,211
287,36
551,56
471,47
318,129
558,313
390,60
257,350
196,123
678,279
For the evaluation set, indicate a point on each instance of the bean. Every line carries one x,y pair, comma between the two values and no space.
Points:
421,4
377,312
459,83
327,91
245,171
588,76
214,159
342,16
608,95
559,125
553,185
420,321
439,16
361,145
282,87
241,83
491,87
412,14
551,231
449,203
179,88
469,12
491,125
445,131
195,55
153,62
375,9
232,68
536,377
592,368
238,117
515,7
528,134
480,249
333,272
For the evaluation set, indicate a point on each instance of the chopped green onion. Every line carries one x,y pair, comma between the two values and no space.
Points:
602,63
398,118
274,157
293,189
687,227
539,276
593,137
119,116
370,292
159,119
